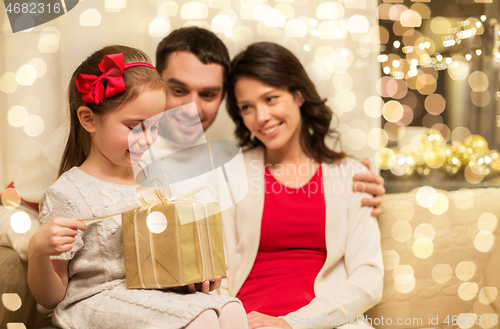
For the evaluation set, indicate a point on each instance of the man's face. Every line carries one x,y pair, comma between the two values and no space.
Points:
188,80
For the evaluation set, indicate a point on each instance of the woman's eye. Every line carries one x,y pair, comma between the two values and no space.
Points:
154,128
272,98
244,107
136,129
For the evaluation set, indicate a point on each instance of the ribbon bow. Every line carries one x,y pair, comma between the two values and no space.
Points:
92,86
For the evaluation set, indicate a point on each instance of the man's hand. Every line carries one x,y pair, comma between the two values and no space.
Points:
257,320
205,286
56,237
370,183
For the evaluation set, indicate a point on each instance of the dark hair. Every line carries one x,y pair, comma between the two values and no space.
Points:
205,45
136,78
276,66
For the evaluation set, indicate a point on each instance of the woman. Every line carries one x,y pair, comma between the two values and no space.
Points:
302,252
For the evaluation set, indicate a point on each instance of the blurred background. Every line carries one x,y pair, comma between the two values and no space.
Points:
338,43
413,83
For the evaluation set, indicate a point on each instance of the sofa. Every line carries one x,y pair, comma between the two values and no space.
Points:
441,258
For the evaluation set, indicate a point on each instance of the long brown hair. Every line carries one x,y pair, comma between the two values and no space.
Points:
137,79
276,66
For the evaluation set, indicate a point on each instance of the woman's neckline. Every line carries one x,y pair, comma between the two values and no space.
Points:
316,173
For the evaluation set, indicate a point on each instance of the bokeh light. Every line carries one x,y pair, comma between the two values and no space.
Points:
222,24
8,83
90,17
410,18
275,18
404,211
20,222
156,222
426,196
168,8
34,125
194,10
295,28
286,9
487,295
465,271
39,65
11,301
330,10
404,279
377,138
484,241
487,222
17,116
393,111
442,273
423,248
440,204
468,290
26,75
114,6
373,106
48,41
424,230
480,99
358,24
478,81
401,231
435,104
11,198
159,27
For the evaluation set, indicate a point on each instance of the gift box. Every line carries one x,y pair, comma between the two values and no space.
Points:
186,248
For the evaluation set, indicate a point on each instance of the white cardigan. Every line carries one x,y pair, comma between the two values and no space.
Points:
350,282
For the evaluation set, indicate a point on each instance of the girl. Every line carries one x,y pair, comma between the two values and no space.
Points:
302,252
80,269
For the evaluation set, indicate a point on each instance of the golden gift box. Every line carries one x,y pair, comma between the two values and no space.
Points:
188,248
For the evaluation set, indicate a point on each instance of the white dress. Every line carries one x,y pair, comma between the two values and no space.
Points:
97,296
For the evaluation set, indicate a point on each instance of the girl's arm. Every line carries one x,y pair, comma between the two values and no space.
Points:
48,278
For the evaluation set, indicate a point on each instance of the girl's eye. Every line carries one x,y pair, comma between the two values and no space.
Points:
154,127
271,98
244,108
136,129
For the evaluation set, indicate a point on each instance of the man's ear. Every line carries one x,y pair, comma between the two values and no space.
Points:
87,118
299,98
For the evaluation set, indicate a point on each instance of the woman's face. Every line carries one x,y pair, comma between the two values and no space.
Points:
272,114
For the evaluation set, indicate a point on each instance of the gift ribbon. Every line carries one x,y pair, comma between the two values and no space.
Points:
159,199
203,250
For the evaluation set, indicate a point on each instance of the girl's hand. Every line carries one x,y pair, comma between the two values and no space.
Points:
257,320
56,237
205,286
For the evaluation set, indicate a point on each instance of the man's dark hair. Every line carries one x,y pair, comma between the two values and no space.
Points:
200,42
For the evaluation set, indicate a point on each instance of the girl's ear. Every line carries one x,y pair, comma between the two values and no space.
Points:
299,98
87,118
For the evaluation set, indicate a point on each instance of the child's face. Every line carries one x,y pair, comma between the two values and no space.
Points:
115,137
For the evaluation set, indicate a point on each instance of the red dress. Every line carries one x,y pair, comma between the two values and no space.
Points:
292,248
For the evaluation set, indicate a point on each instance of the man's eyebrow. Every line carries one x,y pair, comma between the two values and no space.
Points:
181,83
177,81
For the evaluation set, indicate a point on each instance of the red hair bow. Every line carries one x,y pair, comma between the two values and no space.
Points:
92,86
112,67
